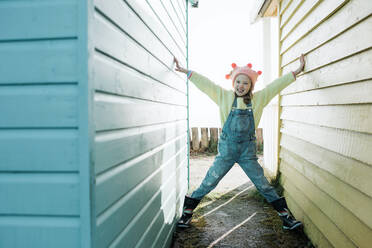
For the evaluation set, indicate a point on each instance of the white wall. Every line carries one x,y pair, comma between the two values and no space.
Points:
269,121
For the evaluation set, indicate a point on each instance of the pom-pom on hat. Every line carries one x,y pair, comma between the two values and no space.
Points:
252,74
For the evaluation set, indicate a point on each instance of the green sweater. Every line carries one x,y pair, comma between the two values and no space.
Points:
225,98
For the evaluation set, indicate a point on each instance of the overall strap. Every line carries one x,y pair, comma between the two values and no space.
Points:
235,103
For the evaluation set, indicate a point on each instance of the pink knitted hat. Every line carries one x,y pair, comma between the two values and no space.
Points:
253,75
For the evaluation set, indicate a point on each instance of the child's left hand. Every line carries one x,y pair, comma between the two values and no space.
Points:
302,65
178,67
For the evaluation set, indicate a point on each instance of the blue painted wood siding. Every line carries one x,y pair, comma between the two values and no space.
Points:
44,156
93,149
140,112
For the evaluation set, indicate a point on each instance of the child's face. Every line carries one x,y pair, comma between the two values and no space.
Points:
242,84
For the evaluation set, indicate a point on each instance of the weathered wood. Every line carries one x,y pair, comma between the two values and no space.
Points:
172,13
350,117
289,11
349,42
350,144
147,240
36,143
51,19
347,170
113,77
204,139
350,14
315,235
45,194
300,14
149,17
195,139
135,27
119,146
335,236
39,106
114,112
335,189
23,62
358,67
167,22
213,142
259,137
117,182
283,6
272,9
180,9
132,54
214,135
325,130
322,11
183,5
341,94
326,196
144,196
26,231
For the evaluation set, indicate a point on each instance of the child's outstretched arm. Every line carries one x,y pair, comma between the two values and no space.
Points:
269,92
214,91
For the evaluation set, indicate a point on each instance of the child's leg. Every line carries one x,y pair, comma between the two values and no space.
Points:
216,172
254,171
221,165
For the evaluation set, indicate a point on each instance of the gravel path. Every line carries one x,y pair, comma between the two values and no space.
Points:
233,215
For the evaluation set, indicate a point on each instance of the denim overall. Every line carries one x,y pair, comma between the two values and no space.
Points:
237,144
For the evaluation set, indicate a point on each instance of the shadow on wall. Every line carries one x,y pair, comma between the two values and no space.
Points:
138,200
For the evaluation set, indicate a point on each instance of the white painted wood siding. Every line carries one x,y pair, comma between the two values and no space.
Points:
140,112
41,97
325,119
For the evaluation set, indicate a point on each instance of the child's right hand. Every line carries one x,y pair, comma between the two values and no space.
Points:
178,67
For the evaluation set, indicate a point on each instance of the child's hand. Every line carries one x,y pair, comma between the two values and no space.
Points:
178,67
302,65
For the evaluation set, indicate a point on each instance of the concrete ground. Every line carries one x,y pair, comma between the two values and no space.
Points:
233,215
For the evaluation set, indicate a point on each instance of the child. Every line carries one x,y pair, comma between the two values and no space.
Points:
240,112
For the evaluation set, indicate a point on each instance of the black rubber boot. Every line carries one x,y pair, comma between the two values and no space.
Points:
188,208
289,222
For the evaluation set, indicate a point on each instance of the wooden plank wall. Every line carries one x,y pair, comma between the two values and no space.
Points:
140,112
40,174
326,119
